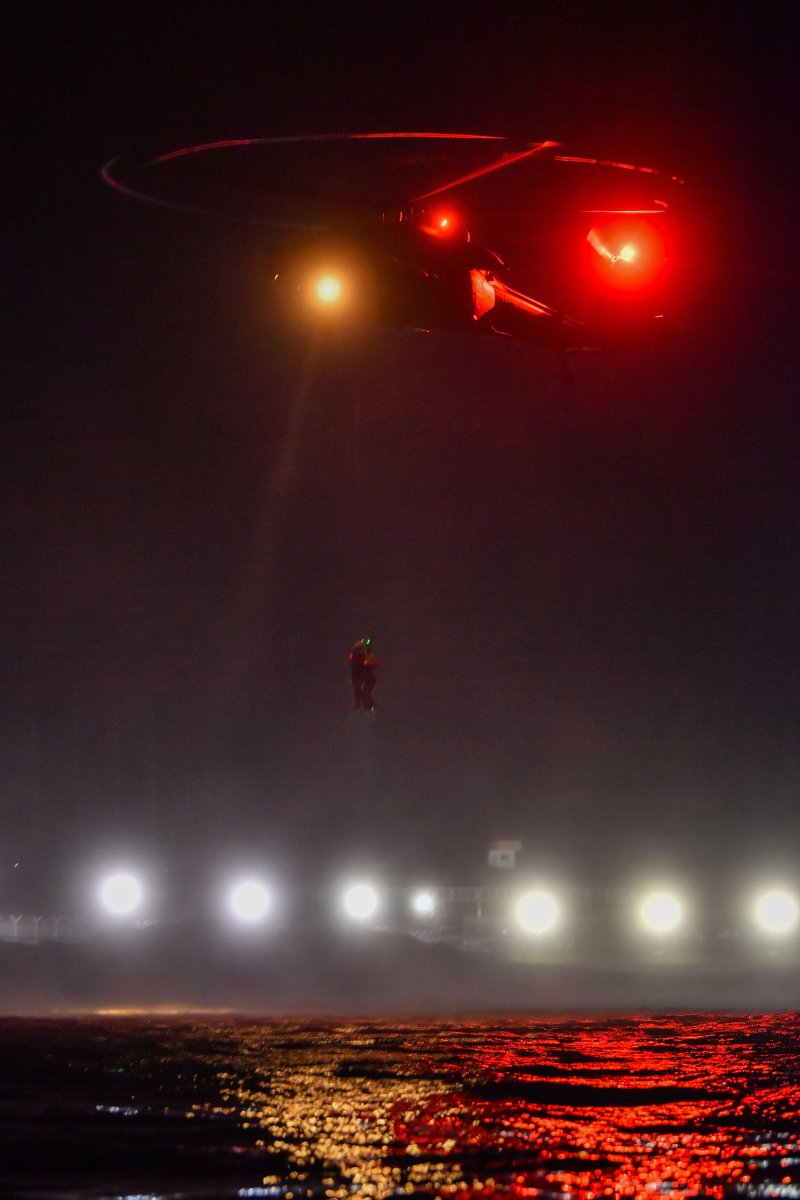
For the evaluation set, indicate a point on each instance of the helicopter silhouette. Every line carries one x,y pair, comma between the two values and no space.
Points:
437,231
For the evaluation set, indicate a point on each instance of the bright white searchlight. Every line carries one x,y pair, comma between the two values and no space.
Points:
423,904
120,894
361,901
661,912
250,901
537,912
776,911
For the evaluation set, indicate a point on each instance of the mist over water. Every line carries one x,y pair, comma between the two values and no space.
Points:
628,1106
333,972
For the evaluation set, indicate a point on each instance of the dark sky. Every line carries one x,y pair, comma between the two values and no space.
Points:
584,597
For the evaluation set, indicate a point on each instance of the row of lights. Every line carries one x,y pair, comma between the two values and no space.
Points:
536,912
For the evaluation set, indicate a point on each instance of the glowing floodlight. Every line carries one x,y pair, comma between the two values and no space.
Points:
628,253
250,901
328,289
361,901
120,894
776,911
423,904
661,912
537,912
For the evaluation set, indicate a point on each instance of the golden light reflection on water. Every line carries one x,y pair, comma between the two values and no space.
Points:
336,1127
700,1107
582,1109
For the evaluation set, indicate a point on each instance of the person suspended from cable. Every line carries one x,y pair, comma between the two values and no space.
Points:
362,673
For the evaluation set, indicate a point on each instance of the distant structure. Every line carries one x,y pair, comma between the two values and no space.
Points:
503,855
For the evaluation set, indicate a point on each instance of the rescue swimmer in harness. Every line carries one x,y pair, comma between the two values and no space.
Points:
362,673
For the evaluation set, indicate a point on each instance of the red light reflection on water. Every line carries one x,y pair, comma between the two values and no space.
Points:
624,1109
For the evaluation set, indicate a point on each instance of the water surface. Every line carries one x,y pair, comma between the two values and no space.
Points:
585,1108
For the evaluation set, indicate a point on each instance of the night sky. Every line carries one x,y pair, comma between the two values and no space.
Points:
584,596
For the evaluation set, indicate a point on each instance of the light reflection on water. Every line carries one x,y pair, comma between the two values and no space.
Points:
692,1106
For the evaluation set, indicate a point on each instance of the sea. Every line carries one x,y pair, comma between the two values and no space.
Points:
216,1107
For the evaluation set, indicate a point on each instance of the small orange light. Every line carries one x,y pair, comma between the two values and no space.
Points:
328,289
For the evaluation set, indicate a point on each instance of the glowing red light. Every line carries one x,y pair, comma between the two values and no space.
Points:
441,223
627,254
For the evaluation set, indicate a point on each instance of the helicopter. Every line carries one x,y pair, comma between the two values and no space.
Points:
437,231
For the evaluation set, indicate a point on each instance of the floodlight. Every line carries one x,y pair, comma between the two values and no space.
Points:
121,894
360,901
661,912
776,911
250,901
423,904
537,912
328,289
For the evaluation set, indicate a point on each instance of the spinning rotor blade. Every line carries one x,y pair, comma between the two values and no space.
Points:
307,181
505,160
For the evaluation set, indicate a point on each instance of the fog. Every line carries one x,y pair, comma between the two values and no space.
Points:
328,972
584,596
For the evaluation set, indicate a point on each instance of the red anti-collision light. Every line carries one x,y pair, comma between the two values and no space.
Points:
441,223
627,254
